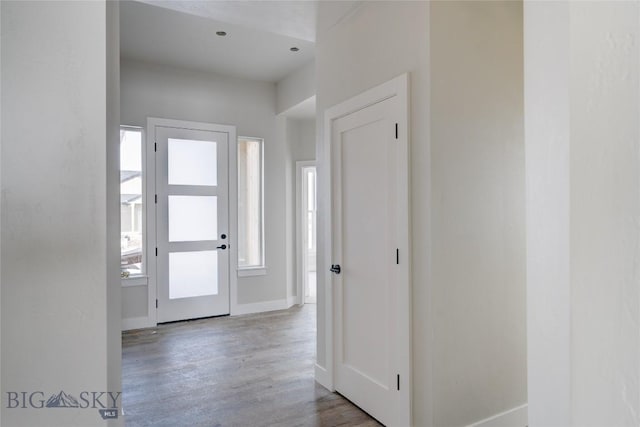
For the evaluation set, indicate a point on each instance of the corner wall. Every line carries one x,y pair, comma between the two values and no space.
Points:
301,145
605,213
59,278
583,201
296,87
547,145
478,210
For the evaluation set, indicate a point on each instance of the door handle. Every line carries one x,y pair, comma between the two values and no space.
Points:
223,247
335,268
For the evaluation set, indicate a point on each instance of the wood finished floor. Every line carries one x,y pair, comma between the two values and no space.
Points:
245,371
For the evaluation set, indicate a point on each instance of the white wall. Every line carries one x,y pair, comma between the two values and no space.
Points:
149,90
301,145
302,138
467,160
590,152
114,292
296,87
478,246
546,48
59,238
605,214
295,98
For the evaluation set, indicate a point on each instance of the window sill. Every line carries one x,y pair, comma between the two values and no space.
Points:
140,280
253,271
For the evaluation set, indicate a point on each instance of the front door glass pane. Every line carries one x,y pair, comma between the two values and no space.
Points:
192,162
193,218
193,274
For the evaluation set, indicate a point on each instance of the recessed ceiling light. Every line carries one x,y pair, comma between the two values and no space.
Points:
221,33
294,49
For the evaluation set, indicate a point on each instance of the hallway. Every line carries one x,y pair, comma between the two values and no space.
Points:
253,370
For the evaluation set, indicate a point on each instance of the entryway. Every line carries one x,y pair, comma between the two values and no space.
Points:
306,219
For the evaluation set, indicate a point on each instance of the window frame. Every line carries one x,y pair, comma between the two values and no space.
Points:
252,270
140,279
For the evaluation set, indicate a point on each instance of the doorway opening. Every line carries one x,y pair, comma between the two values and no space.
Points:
306,225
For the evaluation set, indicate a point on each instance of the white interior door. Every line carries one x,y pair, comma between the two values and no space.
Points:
192,222
369,235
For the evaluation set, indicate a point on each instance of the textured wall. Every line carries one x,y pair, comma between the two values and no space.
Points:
583,205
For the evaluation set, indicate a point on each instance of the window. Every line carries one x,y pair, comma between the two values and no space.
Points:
250,203
131,202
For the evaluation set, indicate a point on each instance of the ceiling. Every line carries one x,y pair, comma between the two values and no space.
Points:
256,47
296,19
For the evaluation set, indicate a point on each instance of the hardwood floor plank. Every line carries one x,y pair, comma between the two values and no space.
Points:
244,371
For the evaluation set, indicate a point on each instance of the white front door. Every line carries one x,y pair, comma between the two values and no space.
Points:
369,230
192,221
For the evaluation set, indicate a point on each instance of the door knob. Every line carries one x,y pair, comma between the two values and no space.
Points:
335,268
223,247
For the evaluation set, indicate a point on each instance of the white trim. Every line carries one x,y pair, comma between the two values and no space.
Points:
261,307
138,323
149,175
323,377
252,271
233,225
397,87
129,282
300,165
291,300
516,417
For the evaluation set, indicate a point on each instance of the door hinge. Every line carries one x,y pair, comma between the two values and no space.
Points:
156,251
156,198
397,256
396,131
398,379
156,303
155,147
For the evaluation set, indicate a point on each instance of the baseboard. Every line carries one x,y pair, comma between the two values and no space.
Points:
291,301
516,417
260,307
322,377
137,323
257,307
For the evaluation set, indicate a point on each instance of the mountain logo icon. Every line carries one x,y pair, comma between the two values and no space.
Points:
62,400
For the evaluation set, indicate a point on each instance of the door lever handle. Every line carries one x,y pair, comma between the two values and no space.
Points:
223,247
335,268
